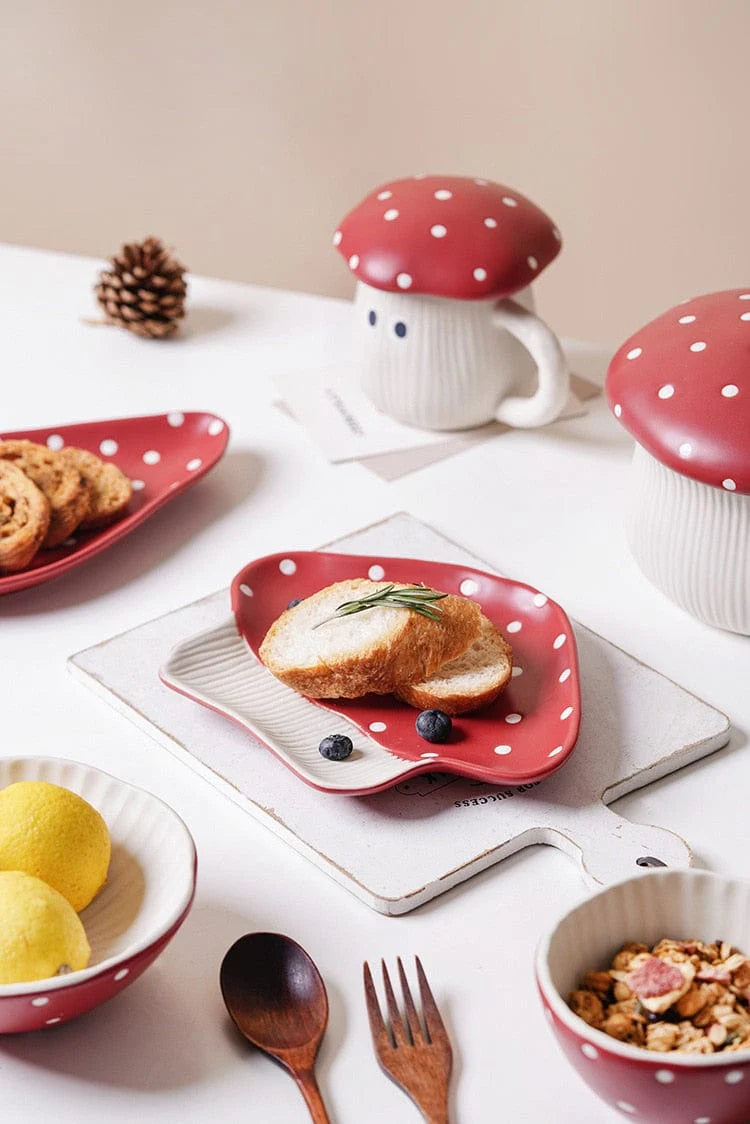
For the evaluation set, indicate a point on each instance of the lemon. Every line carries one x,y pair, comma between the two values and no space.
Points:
56,835
41,934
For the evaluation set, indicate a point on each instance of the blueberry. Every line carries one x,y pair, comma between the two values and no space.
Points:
294,601
336,747
434,726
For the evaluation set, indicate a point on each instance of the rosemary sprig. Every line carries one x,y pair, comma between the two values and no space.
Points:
417,598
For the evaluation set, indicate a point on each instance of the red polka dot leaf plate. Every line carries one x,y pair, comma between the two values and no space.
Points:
524,736
163,454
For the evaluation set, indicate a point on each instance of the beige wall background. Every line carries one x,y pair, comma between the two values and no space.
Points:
242,132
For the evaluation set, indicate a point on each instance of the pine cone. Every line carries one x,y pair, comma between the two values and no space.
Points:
143,290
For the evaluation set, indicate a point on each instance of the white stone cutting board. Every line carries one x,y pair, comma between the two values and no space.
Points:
400,848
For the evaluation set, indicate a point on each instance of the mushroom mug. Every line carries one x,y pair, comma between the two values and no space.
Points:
442,344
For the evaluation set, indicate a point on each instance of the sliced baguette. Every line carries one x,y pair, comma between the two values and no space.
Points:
109,488
373,651
472,680
61,483
24,518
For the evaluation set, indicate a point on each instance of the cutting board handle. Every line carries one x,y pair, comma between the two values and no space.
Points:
609,848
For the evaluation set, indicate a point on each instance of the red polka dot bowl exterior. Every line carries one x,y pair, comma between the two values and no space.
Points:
668,1088
681,387
443,344
146,898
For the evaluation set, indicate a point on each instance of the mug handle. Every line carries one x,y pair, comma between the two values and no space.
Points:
554,378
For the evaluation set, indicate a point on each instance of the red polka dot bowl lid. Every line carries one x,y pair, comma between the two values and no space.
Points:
681,387
447,236
147,896
163,454
670,1087
525,735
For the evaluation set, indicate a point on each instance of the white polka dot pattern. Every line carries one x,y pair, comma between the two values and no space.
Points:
376,573
559,640
108,447
151,456
288,566
664,1076
556,751
392,233
404,280
246,590
618,410
589,1051
194,464
176,419
566,713
503,750
122,974
625,1106
513,626
513,719
137,485
516,671
734,1077
215,427
429,756
55,442
540,600
378,727
688,357
40,1001
469,587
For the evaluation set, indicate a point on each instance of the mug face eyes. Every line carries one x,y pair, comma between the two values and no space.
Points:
372,317
400,329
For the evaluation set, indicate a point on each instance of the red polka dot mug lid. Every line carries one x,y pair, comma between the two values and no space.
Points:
681,387
447,236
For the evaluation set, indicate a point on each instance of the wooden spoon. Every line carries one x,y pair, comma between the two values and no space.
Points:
277,999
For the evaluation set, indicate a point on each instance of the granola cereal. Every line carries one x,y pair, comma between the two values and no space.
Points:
686,997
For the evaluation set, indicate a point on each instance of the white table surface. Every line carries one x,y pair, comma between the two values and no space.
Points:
543,506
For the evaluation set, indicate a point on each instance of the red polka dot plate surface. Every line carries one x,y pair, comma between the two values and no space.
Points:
525,735
162,454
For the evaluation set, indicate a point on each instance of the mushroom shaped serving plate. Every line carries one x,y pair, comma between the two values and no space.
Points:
524,736
147,895
162,454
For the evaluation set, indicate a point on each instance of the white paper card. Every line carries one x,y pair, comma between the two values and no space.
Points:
340,418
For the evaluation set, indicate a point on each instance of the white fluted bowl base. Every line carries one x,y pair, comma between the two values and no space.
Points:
692,541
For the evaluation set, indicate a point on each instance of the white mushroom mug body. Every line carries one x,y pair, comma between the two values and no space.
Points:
442,363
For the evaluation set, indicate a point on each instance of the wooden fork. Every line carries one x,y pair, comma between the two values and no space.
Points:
417,1058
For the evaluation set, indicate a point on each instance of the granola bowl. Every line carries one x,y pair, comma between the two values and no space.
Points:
670,1086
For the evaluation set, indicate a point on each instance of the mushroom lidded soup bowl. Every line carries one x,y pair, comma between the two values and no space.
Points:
681,387
442,344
